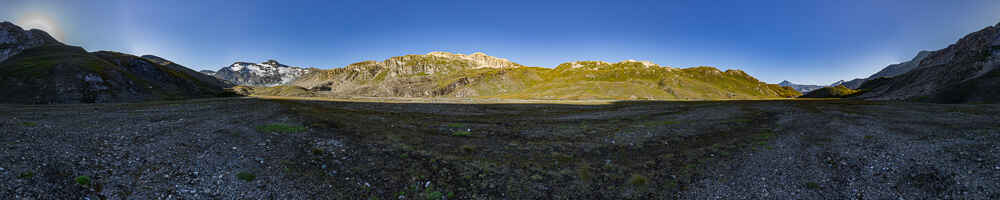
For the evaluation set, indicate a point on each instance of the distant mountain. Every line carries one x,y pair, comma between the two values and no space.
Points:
901,68
208,72
268,73
38,69
441,74
800,88
964,72
888,71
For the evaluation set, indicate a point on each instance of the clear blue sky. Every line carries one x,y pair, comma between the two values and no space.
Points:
815,42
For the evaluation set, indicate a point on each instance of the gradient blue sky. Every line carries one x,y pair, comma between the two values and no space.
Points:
813,42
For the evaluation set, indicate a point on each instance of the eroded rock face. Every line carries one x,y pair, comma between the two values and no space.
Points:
269,73
13,39
406,76
962,72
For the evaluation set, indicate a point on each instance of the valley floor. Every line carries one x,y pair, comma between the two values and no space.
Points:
277,148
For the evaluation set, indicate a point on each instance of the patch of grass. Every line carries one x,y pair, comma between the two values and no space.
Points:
83,181
455,125
280,128
812,185
436,195
245,176
869,137
638,180
29,124
462,133
26,175
468,148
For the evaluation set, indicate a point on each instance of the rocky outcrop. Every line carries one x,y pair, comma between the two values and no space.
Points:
268,73
13,39
961,73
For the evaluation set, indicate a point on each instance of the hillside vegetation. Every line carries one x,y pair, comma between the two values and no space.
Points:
839,91
456,75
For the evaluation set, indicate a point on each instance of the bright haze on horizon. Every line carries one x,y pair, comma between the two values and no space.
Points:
806,42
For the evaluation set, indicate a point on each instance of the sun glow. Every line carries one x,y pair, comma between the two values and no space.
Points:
41,22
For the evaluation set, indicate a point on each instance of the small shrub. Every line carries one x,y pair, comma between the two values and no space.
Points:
26,175
468,148
869,137
83,180
638,180
455,125
462,133
317,151
29,124
280,128
436,195
245,176
812,185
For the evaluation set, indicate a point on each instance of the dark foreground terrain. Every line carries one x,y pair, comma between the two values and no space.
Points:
246,148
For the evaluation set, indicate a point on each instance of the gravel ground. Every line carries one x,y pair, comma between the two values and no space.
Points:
308,149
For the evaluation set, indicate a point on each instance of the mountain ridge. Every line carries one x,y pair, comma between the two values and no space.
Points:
438,74
267,73
963,72
43,71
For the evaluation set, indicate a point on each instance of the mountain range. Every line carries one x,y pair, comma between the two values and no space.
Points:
798,87
442,74
37,69
268,73
964,72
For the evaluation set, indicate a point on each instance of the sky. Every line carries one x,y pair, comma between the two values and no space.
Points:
804,41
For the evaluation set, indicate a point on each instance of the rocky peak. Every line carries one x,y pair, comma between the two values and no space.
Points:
14,39
271,62
479,59
267,73
644,62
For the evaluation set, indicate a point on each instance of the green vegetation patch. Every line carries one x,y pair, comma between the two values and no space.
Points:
83,180
29,124
26,175
812,185
245,176
462,133
280,128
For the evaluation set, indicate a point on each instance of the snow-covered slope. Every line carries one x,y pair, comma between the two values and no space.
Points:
270,73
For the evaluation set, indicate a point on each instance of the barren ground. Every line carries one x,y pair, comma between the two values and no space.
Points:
496,149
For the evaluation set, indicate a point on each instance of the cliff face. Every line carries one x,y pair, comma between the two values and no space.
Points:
963,72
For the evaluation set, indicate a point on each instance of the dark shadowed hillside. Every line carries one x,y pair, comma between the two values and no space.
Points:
964,72
57,73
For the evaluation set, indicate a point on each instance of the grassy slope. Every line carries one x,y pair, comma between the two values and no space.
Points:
39,72
587,80
839,91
